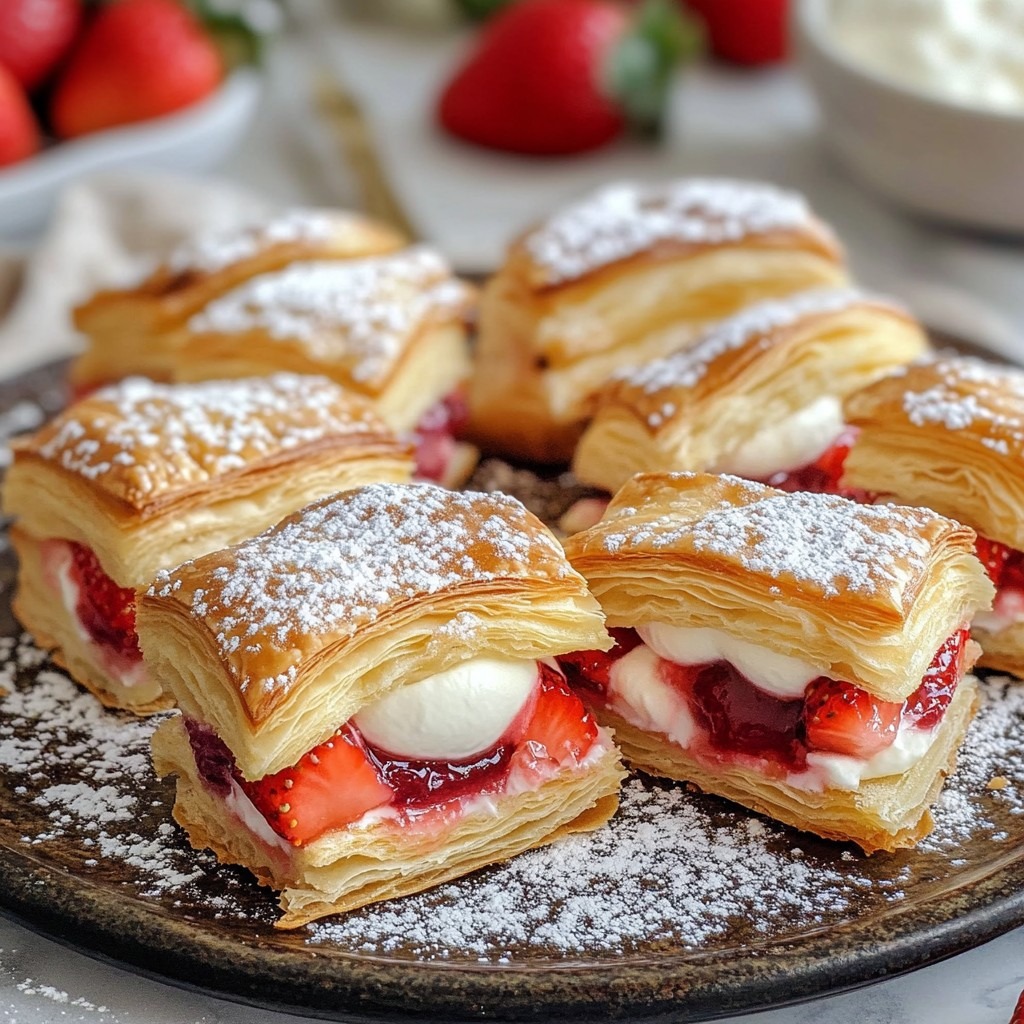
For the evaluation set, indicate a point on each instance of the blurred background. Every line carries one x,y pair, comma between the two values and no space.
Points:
125,124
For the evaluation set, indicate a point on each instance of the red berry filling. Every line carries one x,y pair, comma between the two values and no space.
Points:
106,611
737,718
822,476
337,782
1004,565
435,435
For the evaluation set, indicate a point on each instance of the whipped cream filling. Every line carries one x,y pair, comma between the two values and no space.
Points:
57,565
1007,610
454,714
793,442
638,692
778,674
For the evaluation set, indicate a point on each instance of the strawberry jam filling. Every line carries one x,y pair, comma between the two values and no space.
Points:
343,779
734,720
436,433
105,610
823,474
1005,567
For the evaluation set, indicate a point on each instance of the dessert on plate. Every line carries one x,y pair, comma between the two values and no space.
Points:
626,275
759,395
949,435
370,704
800,654
131,330
140,476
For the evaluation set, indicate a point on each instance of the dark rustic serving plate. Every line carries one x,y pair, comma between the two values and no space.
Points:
684,909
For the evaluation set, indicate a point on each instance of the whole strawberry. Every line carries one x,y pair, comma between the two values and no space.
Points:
1018,1013
745,31
137,60
35,35
19,131
552,77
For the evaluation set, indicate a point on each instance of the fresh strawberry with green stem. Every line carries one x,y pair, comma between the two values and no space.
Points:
327,788
554,77
843,719
19,130
35,35
137,60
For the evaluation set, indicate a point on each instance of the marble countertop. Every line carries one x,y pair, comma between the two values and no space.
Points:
43,983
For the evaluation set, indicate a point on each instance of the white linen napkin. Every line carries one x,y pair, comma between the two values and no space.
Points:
105,231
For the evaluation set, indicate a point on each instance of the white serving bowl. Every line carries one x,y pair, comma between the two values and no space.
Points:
193,140
934,156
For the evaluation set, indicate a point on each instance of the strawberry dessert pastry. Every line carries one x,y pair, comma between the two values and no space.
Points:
949,435
370,699
759,395
140,476
800,654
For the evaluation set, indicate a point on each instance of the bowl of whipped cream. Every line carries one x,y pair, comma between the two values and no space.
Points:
924,101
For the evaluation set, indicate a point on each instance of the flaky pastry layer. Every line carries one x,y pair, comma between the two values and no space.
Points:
542,355
948,435
119,322
866,594
352,868
148,475
745,375
1002,650
881,814
277,641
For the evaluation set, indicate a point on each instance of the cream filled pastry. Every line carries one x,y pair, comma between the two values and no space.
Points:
370,702
140,476
759,395
949,435
132,330
626,275
800,654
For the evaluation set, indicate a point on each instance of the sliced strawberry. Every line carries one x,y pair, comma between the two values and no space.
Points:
328,788
106,610
844,719
821,476
928,703
591,670
561,730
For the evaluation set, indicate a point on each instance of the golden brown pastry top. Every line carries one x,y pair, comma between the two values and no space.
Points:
361,561
139,441
814,548
664,389
665,220
360,314
981,404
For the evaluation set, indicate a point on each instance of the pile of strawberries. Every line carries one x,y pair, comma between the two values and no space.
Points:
68,68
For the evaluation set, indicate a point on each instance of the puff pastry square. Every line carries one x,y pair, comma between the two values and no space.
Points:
628,274
759,395
140,476
369,701
130,330
800,654
949,435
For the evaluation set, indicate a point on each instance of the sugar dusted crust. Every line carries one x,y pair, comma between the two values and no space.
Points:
359,314
625,220
139,442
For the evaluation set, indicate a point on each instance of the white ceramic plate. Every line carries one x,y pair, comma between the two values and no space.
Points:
193,140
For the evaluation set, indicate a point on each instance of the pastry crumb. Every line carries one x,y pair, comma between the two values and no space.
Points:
997,782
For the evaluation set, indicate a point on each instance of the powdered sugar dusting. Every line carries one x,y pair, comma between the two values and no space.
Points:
359,313
760,321
344,562
143,439
828,543
211,252
967,394
673,870
622,220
